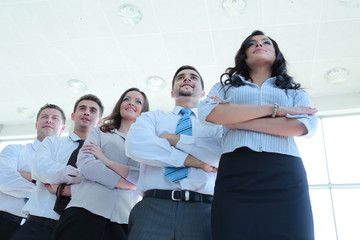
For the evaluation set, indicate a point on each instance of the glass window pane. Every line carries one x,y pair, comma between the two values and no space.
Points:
342,148
313,155
347,213
323,214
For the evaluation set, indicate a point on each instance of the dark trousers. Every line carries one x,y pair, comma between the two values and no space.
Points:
79,223
261,196
9,223
162,219
33,231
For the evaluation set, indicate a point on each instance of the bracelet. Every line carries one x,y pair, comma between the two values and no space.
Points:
276,107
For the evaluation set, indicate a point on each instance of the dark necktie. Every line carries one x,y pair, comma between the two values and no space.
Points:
62,201
184,127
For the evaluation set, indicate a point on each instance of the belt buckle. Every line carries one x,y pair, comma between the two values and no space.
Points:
187,195
173,197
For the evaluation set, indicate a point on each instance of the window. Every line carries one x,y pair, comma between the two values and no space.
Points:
332,162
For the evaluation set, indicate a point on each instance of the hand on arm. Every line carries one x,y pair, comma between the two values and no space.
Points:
51,187
95,150
124,184
192,161
172,138
276,126
282,111
235,113
26,175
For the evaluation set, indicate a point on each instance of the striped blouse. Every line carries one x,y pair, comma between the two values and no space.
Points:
251,93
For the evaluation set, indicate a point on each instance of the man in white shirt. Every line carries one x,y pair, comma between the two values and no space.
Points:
175,207
55,178
16,183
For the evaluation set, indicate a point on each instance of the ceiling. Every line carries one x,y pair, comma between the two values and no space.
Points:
44,43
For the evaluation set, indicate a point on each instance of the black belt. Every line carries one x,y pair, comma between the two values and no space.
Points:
179,195
42,221
11,217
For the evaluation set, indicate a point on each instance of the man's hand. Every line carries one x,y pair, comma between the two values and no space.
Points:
26,175
51,187
192,161
172,138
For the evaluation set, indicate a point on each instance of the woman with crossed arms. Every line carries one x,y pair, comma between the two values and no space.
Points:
101,206
261,190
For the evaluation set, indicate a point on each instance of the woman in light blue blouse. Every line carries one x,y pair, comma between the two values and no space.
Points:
261,191
101,206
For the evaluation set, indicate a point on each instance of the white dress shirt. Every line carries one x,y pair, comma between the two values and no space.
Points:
97,192
50,166
144,145
14,189
251,93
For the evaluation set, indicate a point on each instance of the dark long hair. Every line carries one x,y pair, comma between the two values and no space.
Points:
278,69
113,121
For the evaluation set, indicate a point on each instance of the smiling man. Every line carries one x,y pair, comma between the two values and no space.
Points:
55,171
16,183
179,159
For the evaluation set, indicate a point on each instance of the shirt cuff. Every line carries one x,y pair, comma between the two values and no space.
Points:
133,175
186,143
177,158
73,175
206,106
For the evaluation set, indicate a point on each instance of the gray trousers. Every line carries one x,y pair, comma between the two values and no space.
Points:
162,219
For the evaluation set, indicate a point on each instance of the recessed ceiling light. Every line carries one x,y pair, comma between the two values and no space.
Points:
336,75
234,7
26,112
350,3
155,83
77,86
130,14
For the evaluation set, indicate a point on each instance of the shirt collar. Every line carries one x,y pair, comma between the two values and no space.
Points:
176,110
118,133
74,137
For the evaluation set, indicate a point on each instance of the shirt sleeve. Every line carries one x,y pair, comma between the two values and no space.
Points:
133,176
11,182
206,149
310,122
92,168
143,144
46,169
207,105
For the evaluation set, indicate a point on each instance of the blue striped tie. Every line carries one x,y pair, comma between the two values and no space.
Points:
183,127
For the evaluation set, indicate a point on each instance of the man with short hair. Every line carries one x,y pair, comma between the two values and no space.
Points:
55,171
179,158
16,183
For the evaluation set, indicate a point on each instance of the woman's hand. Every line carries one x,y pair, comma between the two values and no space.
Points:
95,150
282,111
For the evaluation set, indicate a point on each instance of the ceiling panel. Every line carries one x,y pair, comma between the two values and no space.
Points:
292,12
44,43
81,18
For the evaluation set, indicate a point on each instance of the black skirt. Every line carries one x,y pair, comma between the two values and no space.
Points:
261,196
